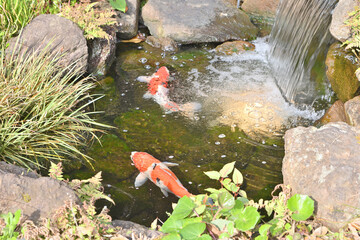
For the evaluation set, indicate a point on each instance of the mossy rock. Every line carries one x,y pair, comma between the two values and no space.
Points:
341,67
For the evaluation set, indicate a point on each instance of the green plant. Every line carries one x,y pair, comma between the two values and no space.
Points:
15,14
42,111
118,5
89,19
11,221
226,213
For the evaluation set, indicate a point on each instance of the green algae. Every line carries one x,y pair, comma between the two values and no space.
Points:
341,72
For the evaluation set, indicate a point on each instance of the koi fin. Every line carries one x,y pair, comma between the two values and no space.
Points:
164,192
140,179
170,164
145,79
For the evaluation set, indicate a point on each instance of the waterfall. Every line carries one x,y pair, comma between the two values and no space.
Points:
300,32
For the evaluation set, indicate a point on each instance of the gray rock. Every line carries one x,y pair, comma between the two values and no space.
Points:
37,197
58,35
140,232
338,28
260,7
352,109
102,53
324,163
128,22
196,21
166,44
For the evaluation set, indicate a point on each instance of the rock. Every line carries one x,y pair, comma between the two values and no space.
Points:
37,197
324,163
128,228
352,109
102,53
58,35
166,44
229,48
196,21
336,113
341,67
338,27
260,7
128,22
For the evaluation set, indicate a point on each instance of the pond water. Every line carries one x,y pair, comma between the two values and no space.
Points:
242,118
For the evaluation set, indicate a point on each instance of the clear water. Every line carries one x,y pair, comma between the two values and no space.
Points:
243,118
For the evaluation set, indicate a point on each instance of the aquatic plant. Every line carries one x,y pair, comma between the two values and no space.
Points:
89,18
43,113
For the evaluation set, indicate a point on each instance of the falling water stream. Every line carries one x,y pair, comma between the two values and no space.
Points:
243,116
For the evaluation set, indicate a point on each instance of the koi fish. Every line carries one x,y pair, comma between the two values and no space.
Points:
159,173
158,90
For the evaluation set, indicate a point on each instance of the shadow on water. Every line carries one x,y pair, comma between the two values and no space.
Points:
199,143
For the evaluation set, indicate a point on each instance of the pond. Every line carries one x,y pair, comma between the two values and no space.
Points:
242,118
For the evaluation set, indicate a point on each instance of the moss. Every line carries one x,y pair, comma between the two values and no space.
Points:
341,72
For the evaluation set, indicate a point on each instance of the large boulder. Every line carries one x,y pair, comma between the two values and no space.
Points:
324,163
196,21
341,67
338,27
37,197
261,8
352,109
57,35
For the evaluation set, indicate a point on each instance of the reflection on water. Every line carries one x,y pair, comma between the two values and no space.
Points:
242,118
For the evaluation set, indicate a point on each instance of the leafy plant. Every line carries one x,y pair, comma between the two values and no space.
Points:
89,18
42,111
11,221
226,213
118,5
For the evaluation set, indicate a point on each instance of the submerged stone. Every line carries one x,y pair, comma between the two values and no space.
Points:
229,48
341,67
324,163
197,21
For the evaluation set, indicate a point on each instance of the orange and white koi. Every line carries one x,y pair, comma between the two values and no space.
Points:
158,90
159,173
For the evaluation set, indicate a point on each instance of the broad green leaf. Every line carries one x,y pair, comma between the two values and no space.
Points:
183,208
243,193
118,4
289,237
262,237
205,237
172,225
230,228
238,204
237,177
192,231
172,236
221,223
224,235
287,226
264,229
213,175
303,206
212,190
227,169
234,188
188,221
247,218
200,209
226,200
